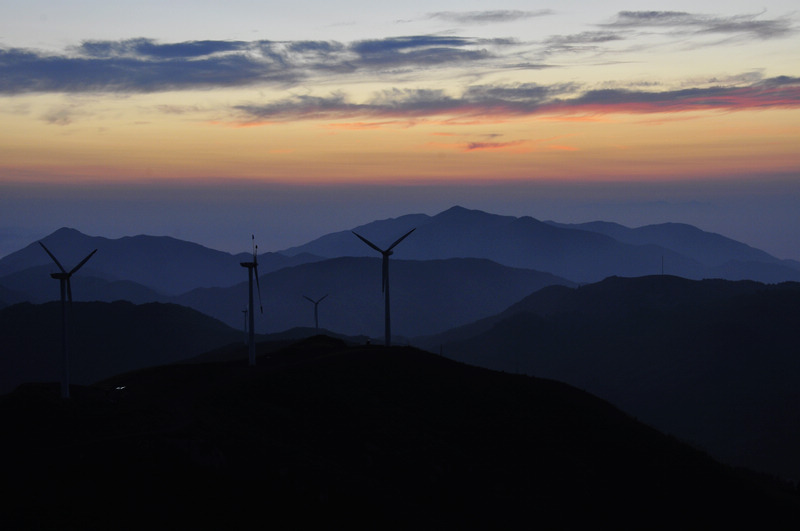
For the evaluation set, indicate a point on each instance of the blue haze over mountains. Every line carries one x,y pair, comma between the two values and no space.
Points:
147,268
711,361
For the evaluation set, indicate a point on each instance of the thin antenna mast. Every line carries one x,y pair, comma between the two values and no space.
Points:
251,268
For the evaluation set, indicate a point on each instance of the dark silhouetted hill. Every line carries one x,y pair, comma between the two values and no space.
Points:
320,435
713,362
106,339
427,296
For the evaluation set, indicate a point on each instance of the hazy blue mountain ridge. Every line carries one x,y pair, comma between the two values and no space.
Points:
164,264
582,253
709,248
427,296
35,285
585,252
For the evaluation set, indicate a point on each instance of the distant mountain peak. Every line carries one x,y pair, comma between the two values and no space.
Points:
65,232
459,210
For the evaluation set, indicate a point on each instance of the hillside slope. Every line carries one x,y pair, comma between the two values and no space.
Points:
713,362
105,339
321,435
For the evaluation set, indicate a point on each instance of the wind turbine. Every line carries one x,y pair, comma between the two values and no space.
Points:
385,279
66,294
316,309
250,267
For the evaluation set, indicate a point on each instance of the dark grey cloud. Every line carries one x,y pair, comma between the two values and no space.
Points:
475,146
302,107
487,17
124,67
516,99
779,92
144,65
749,25
527,99
147,48
587,41
422,50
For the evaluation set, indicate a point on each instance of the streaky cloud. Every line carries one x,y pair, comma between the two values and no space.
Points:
480,146
478,100
782,92
527,99
749,25
488,17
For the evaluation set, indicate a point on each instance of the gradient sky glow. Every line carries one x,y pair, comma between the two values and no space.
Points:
208,120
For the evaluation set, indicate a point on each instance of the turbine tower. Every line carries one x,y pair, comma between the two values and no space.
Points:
66,294
316,309
385,280
251,314
245,325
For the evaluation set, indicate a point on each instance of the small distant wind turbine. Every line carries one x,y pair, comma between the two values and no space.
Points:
250,267
385,280
66,294
316,309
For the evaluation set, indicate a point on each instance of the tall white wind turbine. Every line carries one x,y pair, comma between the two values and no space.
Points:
66,294
385,280
253,266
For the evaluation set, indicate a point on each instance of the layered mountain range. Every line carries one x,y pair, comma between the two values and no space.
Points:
460,287
710,361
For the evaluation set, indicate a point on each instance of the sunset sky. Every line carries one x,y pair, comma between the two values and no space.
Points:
209,121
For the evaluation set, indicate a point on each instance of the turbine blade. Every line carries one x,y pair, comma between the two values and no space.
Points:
363,239
82,262
69,291
309,299
322,298
403,237
258,286
53,257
